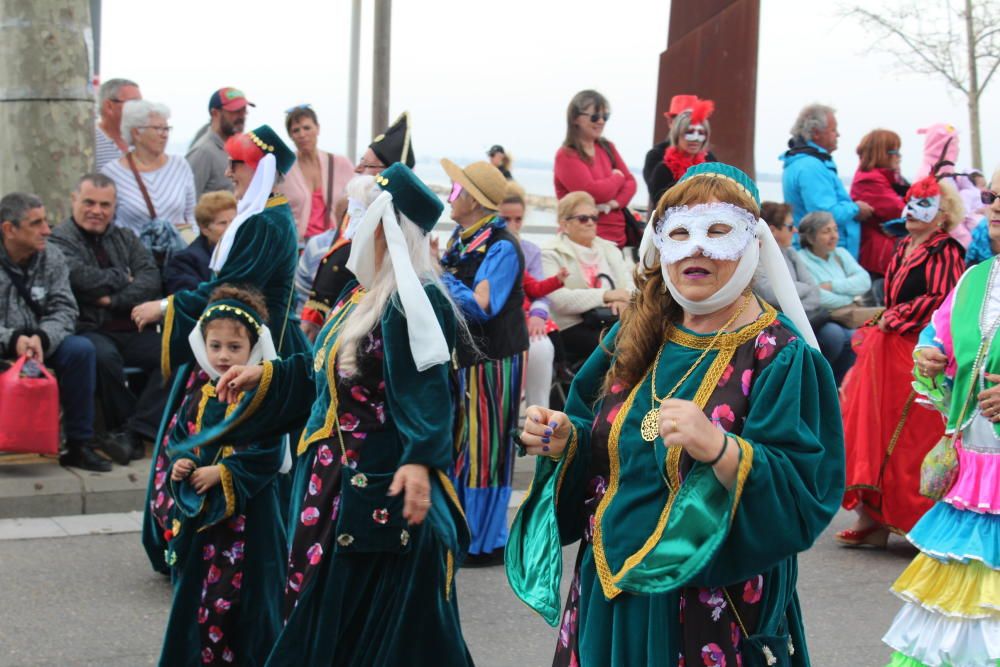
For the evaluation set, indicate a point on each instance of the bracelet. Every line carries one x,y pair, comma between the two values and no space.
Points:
722,452
164,303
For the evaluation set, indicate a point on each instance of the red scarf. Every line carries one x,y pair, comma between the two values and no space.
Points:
678,161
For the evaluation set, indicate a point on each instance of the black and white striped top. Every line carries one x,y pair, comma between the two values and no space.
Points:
171,187
105,150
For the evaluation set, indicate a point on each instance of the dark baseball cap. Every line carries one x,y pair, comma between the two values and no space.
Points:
230,99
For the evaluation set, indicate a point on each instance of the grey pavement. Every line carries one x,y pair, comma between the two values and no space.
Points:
88,598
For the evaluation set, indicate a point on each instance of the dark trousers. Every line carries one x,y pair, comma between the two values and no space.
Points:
121,408
578,342
75,364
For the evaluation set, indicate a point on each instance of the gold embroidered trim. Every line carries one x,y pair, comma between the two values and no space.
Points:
449,572
258,398
331,380
570,454
728,343
733,340
449,490
318,306
746,463
227,488
276,200
168,330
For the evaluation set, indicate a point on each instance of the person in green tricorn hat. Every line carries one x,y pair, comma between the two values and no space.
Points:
259,249
377,532
701,450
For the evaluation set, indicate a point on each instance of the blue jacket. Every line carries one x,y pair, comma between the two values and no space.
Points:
810,183
980,249
189,268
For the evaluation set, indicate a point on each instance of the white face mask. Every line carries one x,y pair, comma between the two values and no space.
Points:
924,209
695,133
721,231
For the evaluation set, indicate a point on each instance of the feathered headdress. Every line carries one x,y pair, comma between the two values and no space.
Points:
924,188
701,110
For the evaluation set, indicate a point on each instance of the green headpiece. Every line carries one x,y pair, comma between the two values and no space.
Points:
268,141
233,309
728,172
409,194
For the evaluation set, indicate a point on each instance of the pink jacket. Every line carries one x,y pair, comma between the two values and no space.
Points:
299,195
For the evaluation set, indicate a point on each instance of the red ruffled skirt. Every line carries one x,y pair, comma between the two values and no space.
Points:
887,432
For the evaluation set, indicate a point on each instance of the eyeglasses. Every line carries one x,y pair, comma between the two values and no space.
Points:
365,166
594,117
456,192
988,197
298,107
159,129
893,152
790,228
583,219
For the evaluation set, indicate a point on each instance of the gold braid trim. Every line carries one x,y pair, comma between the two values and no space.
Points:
258,398
227,489
168,331
449,490
318,306
570,454
276,200
746,463
727,344
449,573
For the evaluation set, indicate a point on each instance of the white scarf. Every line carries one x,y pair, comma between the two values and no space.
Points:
427,341
766,253
252,203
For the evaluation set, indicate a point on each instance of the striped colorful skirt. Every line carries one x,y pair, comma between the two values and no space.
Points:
484,466
951,590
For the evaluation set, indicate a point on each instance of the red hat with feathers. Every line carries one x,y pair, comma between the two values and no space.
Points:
925,187
701,110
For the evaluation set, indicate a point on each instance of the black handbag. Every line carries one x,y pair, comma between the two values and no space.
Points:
633,226
601,317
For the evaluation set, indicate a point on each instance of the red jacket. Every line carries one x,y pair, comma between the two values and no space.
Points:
573,174
875,188
536,289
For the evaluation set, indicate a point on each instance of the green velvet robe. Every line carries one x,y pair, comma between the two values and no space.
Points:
232,539
264,255
650,539
373,598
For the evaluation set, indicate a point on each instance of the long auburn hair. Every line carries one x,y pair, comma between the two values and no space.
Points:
645,323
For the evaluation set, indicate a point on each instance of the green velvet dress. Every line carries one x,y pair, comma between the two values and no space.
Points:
226,548
673,568
264,256
364,587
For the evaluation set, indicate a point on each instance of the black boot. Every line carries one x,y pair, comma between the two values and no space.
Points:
82,455
117,446
137,444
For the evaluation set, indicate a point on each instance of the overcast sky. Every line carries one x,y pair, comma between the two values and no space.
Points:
477,73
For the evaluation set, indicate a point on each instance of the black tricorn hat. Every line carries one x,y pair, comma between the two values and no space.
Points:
393,145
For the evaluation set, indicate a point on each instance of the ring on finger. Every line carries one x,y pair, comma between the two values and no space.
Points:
673,424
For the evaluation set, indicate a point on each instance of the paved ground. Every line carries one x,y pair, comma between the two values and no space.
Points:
91,600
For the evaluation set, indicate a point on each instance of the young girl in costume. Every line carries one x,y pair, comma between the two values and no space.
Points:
218,504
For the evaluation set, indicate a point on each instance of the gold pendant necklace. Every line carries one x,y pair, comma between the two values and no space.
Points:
649,428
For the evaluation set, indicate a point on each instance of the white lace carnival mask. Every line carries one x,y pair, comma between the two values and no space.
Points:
695,133
924,209
685,230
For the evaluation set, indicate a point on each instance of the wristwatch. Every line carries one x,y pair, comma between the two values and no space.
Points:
163,306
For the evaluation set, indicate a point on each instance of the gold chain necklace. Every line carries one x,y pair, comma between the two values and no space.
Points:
650,426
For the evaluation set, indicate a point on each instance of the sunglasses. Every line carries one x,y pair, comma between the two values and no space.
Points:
893,152
583,219
988,197
298,107
456,192
594,117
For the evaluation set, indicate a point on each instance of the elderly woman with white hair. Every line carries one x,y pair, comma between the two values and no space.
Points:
377,533
155,191
701,450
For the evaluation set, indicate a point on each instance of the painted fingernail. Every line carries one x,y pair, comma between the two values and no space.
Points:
545,440
553,424
548,431
545,448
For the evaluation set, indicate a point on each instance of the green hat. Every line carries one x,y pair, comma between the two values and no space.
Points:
268,141
409,194
728,172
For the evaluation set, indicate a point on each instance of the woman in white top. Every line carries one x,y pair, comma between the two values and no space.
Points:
840,279
167,180
598,276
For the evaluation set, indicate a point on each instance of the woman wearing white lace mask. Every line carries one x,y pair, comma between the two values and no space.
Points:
701,387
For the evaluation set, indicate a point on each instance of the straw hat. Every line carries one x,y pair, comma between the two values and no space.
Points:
481,179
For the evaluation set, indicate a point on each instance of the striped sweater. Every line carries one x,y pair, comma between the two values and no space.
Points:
917,284
171,187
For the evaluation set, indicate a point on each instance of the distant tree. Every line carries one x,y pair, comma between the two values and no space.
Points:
958,40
